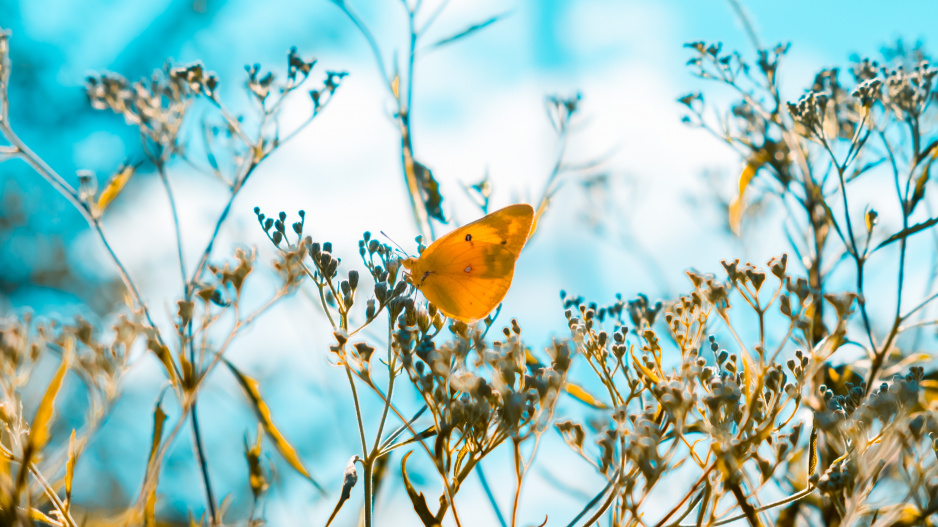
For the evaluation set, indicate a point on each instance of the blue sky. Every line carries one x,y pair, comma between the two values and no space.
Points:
479,107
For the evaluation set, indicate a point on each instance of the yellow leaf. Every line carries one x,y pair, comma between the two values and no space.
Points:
531,361
256,477
870,218
115,185
931,390
39,516
812,451
192,522
252,390
70,469
418,500
149,511
396,86
645,371
574,390
39,429
166,358
919,192
737,206
578,393
541,209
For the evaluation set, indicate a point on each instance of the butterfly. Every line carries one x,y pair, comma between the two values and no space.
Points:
468,271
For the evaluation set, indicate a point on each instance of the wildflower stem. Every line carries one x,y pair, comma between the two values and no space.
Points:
747,24
447,487
367,460
46,487
880,354
66,190
161,168
611,487
203,467
701,480
489,495
392,368
519,475
794,497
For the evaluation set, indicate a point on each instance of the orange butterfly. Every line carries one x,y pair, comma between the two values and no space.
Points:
467,272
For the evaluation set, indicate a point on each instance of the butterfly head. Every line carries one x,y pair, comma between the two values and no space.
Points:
414,271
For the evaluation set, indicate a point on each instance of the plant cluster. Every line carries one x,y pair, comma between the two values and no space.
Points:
736,396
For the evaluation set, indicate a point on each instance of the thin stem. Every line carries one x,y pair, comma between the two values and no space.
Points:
392,367
203,260
921,305
46,487
794,497
673,511
372,42
161,167
203,467
747,25
154,468
519,475
447,488
367,462
880,355
614,486
489,495
369,490
124,274
411,13
71,195
403,117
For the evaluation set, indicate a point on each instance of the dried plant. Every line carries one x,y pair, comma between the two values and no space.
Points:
739,396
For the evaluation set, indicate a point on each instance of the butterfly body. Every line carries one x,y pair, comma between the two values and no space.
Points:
468,271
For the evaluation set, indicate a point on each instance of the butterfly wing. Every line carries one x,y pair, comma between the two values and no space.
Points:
467,272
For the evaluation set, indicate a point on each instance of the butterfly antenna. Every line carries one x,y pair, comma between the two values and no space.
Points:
399,248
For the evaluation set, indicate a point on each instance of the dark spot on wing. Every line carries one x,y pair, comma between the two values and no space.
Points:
504,242
468,237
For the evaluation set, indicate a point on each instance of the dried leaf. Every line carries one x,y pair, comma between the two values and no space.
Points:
39,516
578,393
348,481
870,219
70,469
149,509
930,387
532,362
737,206
39,428
396,87
541,209
919,191
256,477
252,390
379,472
193,523
812,451
905,233
115,185
417,498
166,358
430,189
645,371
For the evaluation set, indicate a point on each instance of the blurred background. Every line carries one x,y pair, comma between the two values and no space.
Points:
646,210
